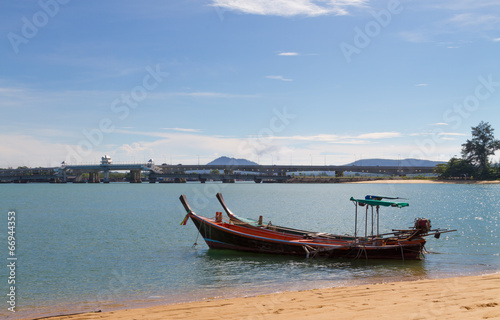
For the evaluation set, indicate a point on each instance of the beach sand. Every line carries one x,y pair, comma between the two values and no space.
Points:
474,297
397,181
413,181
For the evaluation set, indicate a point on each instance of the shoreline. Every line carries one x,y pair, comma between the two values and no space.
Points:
387,180
423,181
466,297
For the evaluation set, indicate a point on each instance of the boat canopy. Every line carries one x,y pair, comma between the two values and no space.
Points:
372,202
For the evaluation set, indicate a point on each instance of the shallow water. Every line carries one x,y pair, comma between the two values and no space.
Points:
86,247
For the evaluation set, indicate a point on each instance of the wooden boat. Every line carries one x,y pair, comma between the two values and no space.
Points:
253,236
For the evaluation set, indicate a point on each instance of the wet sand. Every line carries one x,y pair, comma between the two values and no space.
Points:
474,297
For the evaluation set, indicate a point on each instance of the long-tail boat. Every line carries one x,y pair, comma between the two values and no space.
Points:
254,236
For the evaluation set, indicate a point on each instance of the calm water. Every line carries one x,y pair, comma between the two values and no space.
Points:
88,247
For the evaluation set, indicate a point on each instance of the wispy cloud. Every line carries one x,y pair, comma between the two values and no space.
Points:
279,78
415,36
342,139
182,129
208,94
288,54
464,5
253,147
468,20
452,134
379,135
290,8
438,134
421,85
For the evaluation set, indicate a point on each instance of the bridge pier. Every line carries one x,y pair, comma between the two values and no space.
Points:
106,175
94,177
79,178
135,176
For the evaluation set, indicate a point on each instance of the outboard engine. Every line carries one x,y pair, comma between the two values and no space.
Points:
423,225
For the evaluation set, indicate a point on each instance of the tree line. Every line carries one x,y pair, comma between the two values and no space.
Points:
474,162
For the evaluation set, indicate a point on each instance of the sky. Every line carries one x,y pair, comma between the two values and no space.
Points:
276,82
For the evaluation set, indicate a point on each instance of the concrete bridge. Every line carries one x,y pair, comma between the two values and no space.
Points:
61,174
202,173
277,173
30,175
94,171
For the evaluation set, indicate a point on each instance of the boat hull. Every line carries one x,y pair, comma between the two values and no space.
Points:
226,236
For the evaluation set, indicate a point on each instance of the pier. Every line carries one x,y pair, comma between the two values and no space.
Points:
183,173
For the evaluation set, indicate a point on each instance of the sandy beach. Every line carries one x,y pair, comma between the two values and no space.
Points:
422,181
473,297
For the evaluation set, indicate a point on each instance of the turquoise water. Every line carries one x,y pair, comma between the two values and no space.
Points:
89,247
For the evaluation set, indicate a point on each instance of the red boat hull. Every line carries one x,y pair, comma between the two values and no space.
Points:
221,235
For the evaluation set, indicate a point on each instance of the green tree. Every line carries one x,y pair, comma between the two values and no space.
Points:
482,145
495,168
456,167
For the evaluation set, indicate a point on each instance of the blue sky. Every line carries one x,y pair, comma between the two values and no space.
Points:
276,82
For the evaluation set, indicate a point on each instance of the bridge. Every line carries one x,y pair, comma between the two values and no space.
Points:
202,173
94,171
279,173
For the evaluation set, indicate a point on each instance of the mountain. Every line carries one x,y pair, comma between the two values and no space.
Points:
393,163
225,161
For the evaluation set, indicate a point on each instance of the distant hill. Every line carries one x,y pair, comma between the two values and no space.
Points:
226,161
390,162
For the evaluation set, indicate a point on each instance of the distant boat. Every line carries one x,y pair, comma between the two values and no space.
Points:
253,236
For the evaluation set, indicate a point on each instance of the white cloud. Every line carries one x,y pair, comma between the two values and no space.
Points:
468,20
454,134
421,85
341,139
415,36
33,151
379,135
288,54
461,19
185,145
496,40
279,78
289,8
183,129
464,5
437,135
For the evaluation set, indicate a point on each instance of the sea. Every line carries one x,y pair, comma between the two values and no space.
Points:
88,247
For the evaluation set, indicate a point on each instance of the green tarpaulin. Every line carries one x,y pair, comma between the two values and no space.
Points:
380,203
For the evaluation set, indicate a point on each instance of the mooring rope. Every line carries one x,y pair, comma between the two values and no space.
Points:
197,235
